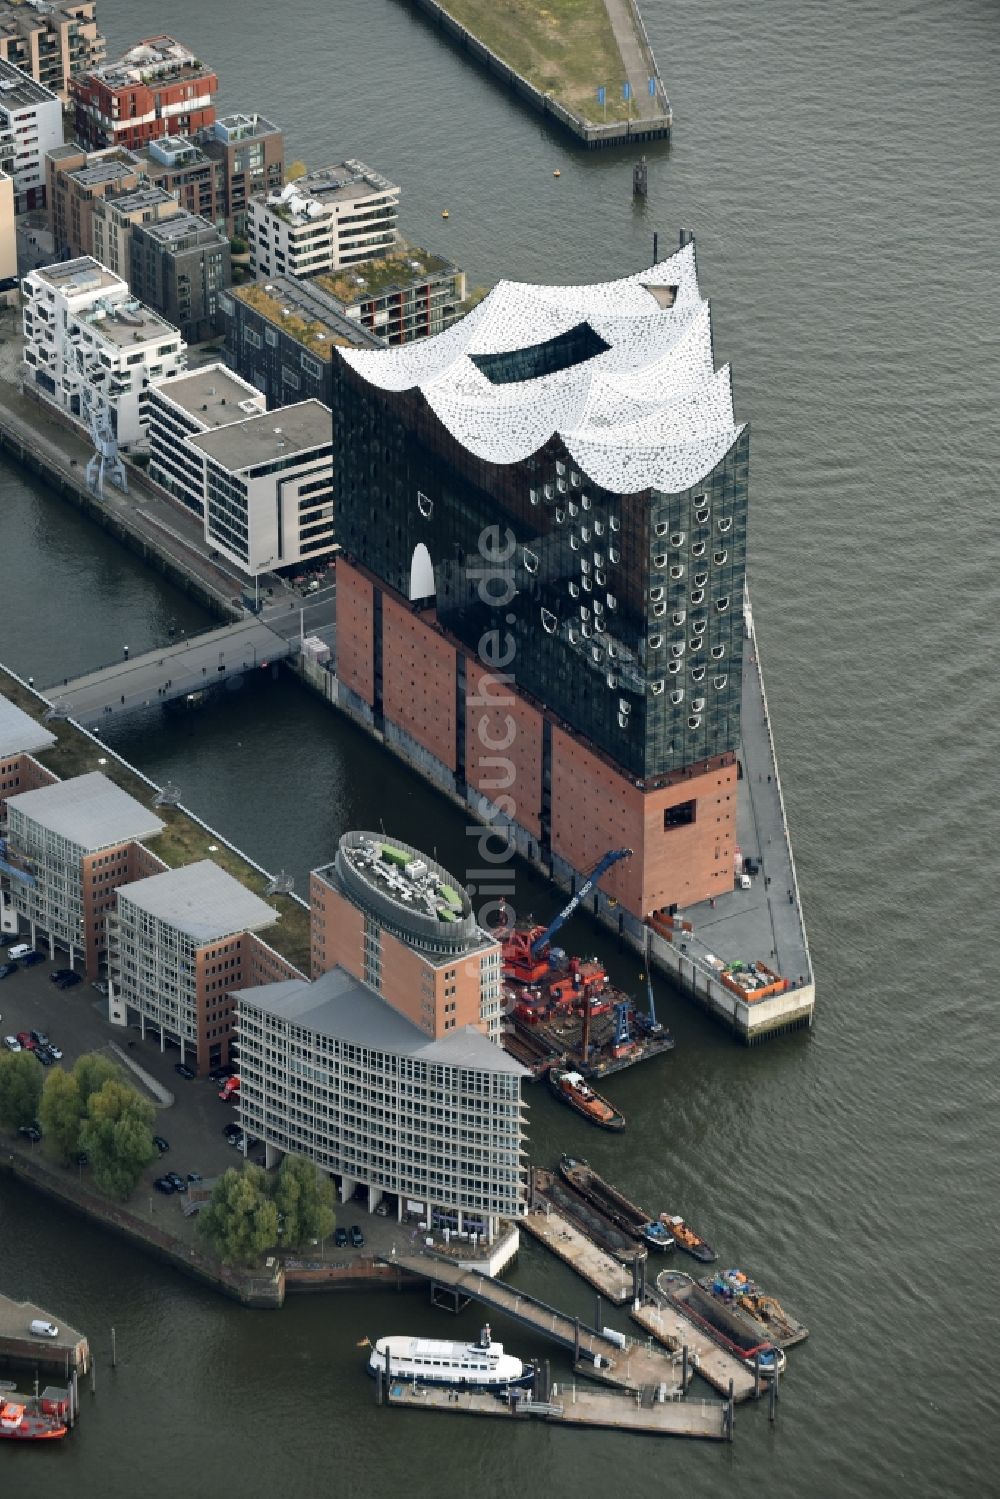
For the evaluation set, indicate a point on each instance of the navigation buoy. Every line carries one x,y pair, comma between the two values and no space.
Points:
557,173
445,214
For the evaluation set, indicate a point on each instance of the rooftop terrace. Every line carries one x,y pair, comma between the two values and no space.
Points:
18,90
306,312
407,266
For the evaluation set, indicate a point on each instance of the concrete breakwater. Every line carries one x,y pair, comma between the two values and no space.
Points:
593,135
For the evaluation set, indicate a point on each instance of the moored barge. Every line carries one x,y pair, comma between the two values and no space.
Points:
633,1220
761,1314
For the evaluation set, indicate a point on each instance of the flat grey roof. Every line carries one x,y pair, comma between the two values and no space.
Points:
88,810
201,900
212,395
83,274
129,323
316,305
275,434
19,89
19,732
183,226
338,1005
102,171
134,198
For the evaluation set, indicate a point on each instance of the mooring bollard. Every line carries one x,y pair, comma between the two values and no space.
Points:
772,1399
114,1350
731,1412
684,1367
756,1376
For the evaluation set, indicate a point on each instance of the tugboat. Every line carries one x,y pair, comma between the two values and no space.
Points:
573,1089
27,1419
634,1221
685,1238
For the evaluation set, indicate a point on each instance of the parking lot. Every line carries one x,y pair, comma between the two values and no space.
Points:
76,1021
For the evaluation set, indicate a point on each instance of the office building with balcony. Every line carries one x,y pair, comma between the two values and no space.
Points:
324,221
156,88
114,217
183,406
268,485
180,266
281,335
76,181
51,41
21,737
87,338
179,946
398,921
543,516
72,843
31,115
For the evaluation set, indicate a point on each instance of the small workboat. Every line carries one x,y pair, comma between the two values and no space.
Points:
685,1238
23,1419
574,1089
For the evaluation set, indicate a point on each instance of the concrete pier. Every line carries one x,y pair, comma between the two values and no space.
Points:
577,1407
605,1274
20,1348
675,1331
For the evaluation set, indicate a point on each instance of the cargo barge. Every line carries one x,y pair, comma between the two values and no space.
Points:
632,1220
583,1215
762,1315
725,1325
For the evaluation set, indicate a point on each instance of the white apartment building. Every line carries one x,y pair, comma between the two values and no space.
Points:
331,1071
86,336
74,842
184,406
322,222
8,237
176,952
32,115
268,485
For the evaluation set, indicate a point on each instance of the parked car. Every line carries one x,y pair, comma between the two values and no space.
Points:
357,1237
184,1070
31,1132
231,1130
240,1141
27,1044
179,1184
31,958
164,1184
68,980
195,1176
39,1038
12,1043
59,973
161,1144
55,1051
6,969
44,1056
340,1238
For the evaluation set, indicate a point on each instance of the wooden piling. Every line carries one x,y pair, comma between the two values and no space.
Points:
684,1367
772,1398
114,1350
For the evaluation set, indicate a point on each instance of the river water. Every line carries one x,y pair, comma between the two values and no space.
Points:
834,163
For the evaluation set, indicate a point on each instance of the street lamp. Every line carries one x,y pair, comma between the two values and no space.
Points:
263,568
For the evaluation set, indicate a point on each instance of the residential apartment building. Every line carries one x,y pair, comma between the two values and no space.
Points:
21,737
76,180
401,297
31,115
433,1128
178,948
269,487
180,265
584,437
87,338
183,406
181,168
73,843
281,335
398,921
8,239
51,41
113,219
156,88
322,222
251,151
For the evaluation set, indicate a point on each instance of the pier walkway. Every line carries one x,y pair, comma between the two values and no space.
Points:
636,1367
577,1407
671,1328
602,1270
175,671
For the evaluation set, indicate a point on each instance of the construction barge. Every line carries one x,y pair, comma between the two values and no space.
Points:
633,1221
588,1219
741,1336
762,1316
563,1010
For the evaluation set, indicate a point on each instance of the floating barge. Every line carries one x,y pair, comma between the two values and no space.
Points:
614,1205
762,1315
594,1224
741,1336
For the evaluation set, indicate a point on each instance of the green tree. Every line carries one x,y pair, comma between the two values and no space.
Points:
60,1114
304,1199
20,1089
117,1135
295,170
241,1220
92,1071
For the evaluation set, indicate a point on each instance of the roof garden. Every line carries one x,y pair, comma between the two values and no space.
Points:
183,841
405,267
310,332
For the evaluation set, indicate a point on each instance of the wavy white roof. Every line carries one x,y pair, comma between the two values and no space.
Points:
649,411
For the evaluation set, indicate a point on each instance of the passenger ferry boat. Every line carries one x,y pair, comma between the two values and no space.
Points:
482,1365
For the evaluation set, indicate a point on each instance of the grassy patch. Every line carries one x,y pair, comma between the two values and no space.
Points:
182,841
408,266
312,335
564,47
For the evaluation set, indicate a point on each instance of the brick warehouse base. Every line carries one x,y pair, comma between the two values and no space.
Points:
477,739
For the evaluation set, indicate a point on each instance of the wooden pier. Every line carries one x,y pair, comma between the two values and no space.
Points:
602,1270
708,1419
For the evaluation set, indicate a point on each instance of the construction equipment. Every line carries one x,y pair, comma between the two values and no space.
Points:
601,868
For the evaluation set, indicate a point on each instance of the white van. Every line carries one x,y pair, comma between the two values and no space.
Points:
42,1329
21,950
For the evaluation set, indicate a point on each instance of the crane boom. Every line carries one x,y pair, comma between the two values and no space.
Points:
611,857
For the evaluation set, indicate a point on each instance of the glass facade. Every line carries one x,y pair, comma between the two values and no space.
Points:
624,612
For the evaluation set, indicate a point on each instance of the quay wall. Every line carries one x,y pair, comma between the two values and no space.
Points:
592,135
